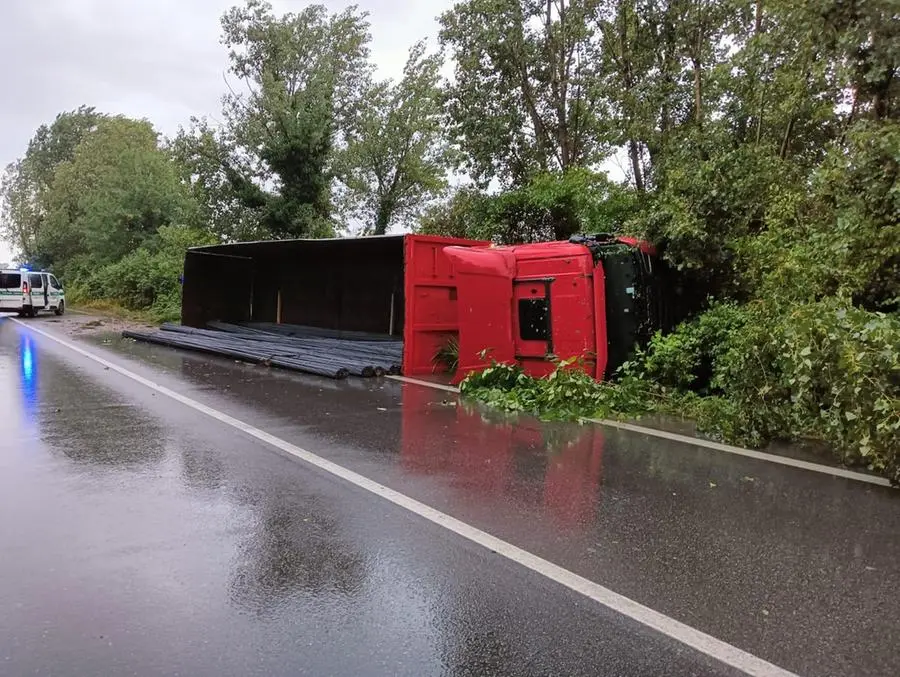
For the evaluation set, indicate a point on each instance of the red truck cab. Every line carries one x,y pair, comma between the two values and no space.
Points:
592,298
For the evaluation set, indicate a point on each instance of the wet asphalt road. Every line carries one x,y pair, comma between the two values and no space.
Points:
138,537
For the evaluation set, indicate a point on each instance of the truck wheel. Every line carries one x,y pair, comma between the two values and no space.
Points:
61,308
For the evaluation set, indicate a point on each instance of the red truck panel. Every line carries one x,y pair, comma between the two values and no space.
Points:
485,283
431,316
527,303
565,271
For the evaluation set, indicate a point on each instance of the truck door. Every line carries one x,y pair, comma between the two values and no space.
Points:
36,288
46,281
533,323
484,282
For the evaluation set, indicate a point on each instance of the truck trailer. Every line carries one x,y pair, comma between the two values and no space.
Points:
592,298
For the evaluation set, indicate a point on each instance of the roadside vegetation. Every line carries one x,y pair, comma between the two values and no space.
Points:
762,147
757,144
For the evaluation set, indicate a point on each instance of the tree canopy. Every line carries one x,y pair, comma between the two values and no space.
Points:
26,181
115,193
395,157
302,77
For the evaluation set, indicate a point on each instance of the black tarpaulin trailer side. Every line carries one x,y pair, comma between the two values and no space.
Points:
352,284
216,286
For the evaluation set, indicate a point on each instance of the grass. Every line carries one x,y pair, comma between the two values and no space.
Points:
112,309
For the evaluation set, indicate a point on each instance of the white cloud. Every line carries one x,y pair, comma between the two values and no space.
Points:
159,59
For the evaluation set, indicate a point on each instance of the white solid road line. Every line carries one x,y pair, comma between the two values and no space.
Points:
676,630
750,453
427,384
706,444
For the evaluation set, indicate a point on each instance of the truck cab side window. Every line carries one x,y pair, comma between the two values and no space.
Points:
534,315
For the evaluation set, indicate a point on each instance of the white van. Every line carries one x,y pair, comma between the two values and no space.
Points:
27,292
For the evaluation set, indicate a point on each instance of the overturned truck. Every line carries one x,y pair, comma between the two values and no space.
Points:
592,297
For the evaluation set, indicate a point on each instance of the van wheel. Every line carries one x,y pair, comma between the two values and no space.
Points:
61,308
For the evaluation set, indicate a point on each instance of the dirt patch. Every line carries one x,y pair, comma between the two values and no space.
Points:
84,325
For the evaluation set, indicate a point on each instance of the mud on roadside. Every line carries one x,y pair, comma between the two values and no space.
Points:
84,325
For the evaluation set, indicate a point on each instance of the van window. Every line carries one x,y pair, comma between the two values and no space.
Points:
54,282
10,281
36,280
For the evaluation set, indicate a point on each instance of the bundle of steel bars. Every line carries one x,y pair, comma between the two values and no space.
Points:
331,353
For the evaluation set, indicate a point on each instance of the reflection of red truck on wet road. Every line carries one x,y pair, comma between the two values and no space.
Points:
504,458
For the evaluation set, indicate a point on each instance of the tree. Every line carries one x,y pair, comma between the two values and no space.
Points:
396,158
26,181
738,187
550,207
19,216
203,155
114,194
524,98
302,75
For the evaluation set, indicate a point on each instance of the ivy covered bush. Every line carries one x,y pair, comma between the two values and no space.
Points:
825,370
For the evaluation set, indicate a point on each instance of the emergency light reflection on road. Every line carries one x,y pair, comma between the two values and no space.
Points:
28,372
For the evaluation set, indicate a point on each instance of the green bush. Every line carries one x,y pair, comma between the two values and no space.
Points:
685,358
823,370
566,394
147,278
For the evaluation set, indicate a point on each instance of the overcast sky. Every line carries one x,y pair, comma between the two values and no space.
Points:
159,59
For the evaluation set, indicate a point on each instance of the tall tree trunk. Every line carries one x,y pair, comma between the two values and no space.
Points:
628,81
881,100
560,81
697,62
758,29
543,139
383,215
698,91
382,221
656,147
789,130
786,139
635,155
